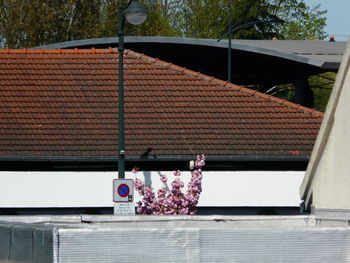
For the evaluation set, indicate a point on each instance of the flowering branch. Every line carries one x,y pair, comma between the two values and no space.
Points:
172,202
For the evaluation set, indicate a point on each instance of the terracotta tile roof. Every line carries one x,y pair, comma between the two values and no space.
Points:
64,103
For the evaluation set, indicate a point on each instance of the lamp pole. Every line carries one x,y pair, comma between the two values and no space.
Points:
229,44
229,34
135,14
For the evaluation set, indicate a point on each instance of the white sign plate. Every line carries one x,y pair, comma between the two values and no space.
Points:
124,209
123,190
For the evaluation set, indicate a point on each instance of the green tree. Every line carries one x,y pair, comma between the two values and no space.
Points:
321,86
204,18
209,19
304,22
84,19
28,23
245,11
110,13
159,19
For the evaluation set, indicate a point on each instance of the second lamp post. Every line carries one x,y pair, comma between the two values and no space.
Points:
229,34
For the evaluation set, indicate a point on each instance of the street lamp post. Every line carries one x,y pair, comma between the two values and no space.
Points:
229,34
135,14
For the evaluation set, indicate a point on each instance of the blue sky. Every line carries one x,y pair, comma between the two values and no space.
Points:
338,17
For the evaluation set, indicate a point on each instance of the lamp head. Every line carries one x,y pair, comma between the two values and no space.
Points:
135,13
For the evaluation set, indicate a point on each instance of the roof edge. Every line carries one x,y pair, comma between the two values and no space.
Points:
58,51
226,84
248,158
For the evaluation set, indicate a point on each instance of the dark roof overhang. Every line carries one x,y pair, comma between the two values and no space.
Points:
233,158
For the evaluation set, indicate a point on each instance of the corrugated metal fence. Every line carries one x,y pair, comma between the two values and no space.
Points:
174,239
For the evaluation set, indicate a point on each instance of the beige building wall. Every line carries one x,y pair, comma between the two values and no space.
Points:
327,181
332,185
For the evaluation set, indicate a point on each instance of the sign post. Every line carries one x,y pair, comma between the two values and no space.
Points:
123,197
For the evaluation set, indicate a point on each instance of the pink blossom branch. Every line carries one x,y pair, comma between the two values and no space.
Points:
172,202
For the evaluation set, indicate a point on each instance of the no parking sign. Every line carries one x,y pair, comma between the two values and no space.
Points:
123,190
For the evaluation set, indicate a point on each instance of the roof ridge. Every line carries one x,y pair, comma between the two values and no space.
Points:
227,84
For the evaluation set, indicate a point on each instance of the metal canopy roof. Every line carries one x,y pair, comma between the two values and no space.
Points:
266,62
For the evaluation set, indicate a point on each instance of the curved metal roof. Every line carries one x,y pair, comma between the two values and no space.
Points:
264,62
323,54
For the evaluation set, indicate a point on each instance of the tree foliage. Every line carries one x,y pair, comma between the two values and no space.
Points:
209,19
204,18
246,11
28,23
304,22
321,86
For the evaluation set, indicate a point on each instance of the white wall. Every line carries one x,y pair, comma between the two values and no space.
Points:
94,189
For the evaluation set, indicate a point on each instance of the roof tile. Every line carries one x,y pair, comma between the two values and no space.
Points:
64,103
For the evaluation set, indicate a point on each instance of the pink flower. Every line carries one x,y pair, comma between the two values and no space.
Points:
199,163
163,179
162,192
177,173
172,202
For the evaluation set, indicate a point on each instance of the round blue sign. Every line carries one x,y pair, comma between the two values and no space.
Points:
123,190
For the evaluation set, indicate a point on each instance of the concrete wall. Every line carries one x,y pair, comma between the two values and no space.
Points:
327,181
331,188
94,189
